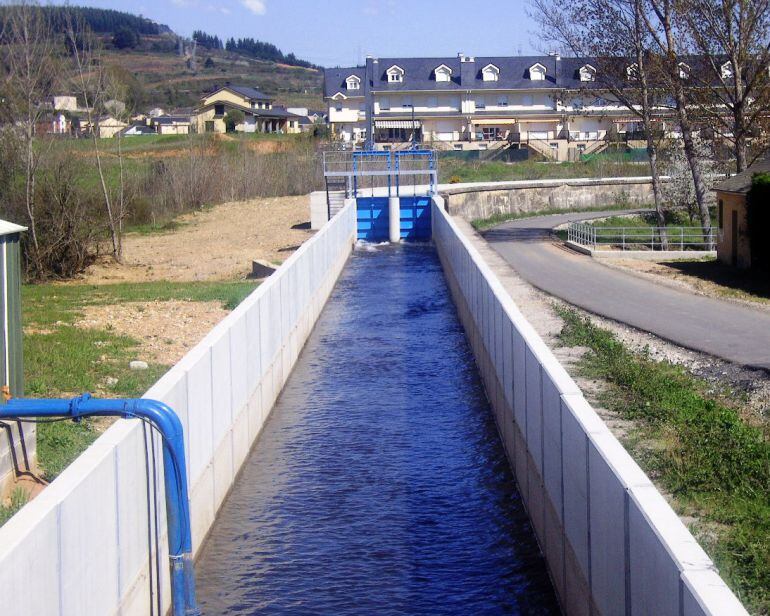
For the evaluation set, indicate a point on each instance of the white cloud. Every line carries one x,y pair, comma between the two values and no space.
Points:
258,7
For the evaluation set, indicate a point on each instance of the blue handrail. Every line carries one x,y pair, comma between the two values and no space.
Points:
174,466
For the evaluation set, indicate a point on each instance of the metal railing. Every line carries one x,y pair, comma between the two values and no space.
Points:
640,238
367,170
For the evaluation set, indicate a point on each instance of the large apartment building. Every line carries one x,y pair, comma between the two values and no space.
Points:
547,103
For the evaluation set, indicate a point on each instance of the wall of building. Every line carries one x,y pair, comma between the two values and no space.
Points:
80,548
612,542
733,203
484,200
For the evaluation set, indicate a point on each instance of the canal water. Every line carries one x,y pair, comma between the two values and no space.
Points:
379,484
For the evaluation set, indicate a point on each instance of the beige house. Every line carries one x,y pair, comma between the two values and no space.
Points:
259,113
106,126
171,125
734,246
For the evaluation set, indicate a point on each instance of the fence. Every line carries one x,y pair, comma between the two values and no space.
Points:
612,542
640,238
80,548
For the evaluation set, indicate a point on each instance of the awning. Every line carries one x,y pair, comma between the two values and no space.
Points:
397,124
504,122
540,121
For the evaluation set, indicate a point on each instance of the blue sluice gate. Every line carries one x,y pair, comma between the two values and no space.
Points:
379,484
373,215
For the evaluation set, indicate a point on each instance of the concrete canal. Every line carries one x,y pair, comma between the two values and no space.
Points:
379,483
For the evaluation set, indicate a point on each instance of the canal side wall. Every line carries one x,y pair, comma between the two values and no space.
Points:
612,543
80,548
481,200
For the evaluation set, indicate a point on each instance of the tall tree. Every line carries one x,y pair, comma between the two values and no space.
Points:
732,40
30,79
660,18
611,35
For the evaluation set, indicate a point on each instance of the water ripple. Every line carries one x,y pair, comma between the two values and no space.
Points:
379,484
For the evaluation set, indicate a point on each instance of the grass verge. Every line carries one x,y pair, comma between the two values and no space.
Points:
18,499
63,360
482,224
697,447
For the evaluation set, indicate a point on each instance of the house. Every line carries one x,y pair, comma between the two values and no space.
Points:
258,110
734,244
137,129
106,126
545,104
65,103
171,124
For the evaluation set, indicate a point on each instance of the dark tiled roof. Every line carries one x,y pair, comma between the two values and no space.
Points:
741,182
249,92
168,119
419,74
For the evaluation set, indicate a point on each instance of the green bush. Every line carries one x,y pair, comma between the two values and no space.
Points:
758,220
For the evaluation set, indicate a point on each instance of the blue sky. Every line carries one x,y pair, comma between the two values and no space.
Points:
342,32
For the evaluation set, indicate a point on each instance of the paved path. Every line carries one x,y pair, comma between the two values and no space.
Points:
724,329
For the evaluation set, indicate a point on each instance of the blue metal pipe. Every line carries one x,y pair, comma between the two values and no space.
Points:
174,467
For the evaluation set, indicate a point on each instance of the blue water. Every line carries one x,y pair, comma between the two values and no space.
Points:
379,484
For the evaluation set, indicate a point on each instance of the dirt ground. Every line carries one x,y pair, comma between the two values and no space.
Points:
166,330
217,243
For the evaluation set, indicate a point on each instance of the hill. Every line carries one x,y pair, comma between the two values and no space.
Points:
168,70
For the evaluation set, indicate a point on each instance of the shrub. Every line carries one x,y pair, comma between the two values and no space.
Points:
758,220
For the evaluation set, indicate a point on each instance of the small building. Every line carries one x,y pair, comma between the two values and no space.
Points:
65,103
137,129
259,113
171,124
734,245
106,126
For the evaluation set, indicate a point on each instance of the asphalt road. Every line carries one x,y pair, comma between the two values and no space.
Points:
724,329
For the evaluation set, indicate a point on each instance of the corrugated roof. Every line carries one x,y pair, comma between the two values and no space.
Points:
7,228
741,182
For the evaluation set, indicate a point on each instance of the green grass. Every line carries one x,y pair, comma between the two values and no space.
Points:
697,447
19,498
458,170
482,224
62,360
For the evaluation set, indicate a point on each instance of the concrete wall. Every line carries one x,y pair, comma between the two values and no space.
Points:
80,548
612,542
478,200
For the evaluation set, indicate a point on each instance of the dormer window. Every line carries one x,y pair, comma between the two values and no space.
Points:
395,74
537,72
632,72
726,70
353,82
443,73
490,73
587,73
684,71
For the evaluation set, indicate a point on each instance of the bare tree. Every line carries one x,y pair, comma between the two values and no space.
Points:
29,82
732,40
660,20
611,35
91,79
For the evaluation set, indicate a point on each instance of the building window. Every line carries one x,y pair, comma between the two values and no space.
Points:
537,72
384,104
407,102
432,102
527,100
338,108
395,74
587,73
353,83
727,70
219,110
684,71
490,73
481,103
502,101
443,73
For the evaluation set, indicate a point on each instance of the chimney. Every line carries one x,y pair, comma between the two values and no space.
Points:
467,70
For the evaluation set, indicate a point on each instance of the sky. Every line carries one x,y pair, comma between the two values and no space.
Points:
343,32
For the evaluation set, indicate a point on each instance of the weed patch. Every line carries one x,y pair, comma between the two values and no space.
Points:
715,465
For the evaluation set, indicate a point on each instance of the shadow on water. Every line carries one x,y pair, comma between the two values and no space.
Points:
379,484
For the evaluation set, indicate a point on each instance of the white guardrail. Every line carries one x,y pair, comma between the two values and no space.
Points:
640,238
80,547
612,543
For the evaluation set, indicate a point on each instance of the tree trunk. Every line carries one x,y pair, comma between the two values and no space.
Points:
691,153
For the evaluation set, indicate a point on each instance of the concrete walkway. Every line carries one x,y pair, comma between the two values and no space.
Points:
728,330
